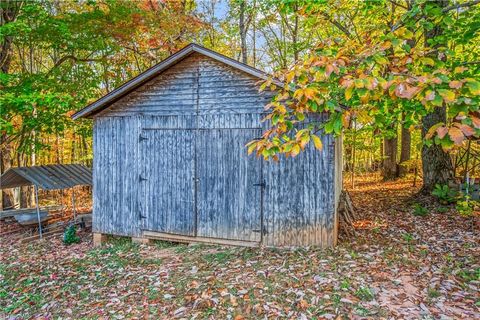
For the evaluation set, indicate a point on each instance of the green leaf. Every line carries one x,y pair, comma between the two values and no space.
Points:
437,101
473,86
331,105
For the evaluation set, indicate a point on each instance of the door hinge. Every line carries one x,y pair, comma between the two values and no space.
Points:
141,216
140,178
141,138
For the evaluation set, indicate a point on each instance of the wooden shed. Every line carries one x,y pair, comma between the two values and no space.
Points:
170,161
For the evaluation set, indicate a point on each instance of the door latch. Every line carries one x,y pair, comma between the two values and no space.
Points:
262,185
263,230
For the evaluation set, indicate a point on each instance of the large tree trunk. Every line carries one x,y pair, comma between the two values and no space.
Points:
436,163
6,195
390,162
8,13
404,150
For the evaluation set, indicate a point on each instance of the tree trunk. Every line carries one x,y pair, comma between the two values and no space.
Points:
436,163
243,31
6,195
390,162
8,13
405,149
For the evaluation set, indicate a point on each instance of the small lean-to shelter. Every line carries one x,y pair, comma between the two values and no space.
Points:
47,177
170,161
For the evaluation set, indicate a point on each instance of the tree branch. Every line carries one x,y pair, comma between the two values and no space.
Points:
398,4
461,5
336,24
75,59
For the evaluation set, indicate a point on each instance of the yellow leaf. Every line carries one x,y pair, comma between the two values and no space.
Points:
251,147
295,150
317,142
359,83
310,93
348,93
460,69
447,95
428,61
289,77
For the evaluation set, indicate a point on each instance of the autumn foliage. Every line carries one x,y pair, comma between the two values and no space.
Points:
356,78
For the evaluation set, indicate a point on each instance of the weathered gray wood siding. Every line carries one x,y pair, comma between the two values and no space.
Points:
299,197
115,178
170,157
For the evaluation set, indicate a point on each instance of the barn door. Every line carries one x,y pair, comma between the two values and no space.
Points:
229,185
167,180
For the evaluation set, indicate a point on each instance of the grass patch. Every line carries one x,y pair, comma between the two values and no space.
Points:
432,293
365,293
162,244
218,257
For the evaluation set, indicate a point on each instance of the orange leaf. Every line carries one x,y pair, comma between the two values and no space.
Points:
329,70
456,135
467,130
455,84
442,132
406,91
476,122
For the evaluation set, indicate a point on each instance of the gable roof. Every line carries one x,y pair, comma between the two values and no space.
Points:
105,101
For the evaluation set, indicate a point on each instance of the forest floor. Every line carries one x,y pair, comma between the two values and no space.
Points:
398,266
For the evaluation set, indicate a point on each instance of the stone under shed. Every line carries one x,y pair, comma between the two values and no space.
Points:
170,161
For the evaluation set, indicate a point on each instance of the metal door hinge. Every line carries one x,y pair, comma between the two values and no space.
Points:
141,138
262,184
141,216
140,178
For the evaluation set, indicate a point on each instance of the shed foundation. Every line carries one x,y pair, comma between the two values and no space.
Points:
99,239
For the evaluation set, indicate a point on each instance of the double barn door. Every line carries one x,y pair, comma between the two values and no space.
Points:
201,182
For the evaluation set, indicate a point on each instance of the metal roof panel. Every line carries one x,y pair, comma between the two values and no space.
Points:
48,177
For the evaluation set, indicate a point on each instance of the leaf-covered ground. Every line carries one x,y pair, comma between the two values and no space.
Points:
399,266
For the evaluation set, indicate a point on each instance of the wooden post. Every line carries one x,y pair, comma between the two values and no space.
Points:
354,138
73,205
38,212
98,239
467,160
